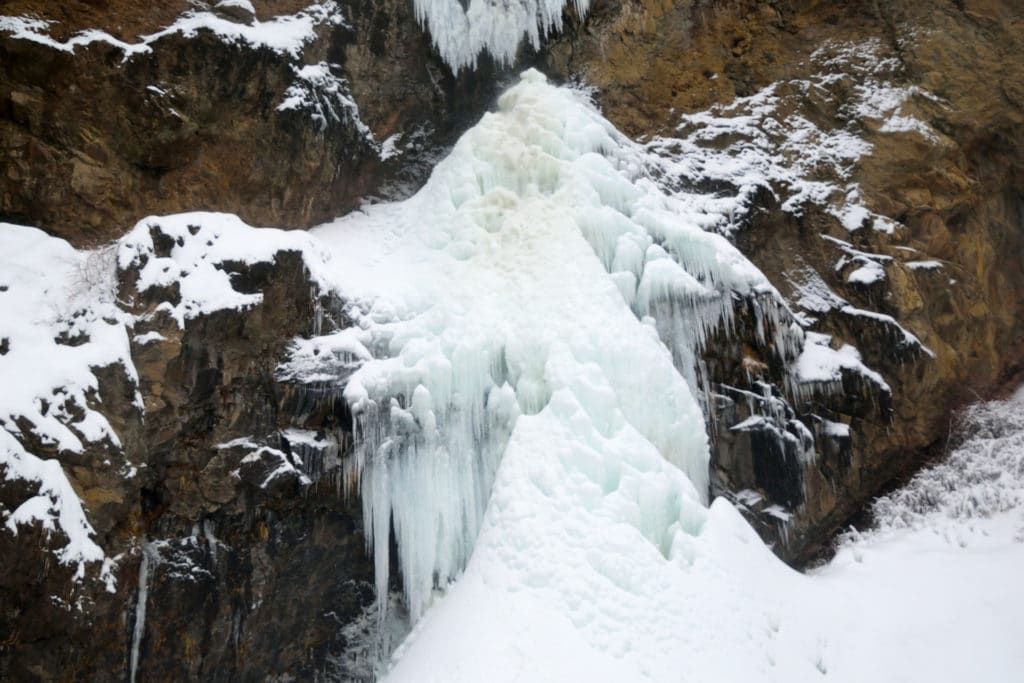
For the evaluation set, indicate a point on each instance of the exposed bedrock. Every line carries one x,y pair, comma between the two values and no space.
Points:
236,558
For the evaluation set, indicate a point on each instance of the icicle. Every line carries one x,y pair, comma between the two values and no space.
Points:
462,30
139,629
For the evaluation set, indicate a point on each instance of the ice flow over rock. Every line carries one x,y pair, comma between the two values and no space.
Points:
504,333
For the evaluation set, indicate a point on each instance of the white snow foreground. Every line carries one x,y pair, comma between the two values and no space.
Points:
932,594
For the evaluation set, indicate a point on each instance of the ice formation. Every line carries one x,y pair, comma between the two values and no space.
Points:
541,299
463,29
931,593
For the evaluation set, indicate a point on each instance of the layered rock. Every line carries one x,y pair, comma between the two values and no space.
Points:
253,561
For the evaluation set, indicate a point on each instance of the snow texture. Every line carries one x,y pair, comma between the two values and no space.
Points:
512,310
286,34
319,90
756,143
58,321
931,593
203,244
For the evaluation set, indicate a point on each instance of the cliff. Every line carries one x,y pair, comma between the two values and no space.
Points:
870,154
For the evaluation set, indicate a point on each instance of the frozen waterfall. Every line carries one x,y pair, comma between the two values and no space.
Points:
507,322
463,29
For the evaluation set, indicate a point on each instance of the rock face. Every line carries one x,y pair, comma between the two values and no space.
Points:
238,563
254,117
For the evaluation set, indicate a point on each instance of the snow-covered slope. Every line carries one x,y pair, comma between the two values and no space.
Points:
930,595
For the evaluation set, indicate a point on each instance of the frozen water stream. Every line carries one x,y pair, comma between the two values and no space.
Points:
506,311
525,329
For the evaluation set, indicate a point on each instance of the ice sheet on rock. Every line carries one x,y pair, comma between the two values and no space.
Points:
204,245
58,321
462,30
286,34
523,288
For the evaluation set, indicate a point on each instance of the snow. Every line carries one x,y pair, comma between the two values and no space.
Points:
286,34
867,274
204,243
759,142
935,600
60,320
462,30
819,363
277,462
326,95
521,369
57,322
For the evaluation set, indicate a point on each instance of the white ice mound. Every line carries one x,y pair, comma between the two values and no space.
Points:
463,29
507,309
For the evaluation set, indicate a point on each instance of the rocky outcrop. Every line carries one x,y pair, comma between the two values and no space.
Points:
164,112
237,557
234,554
